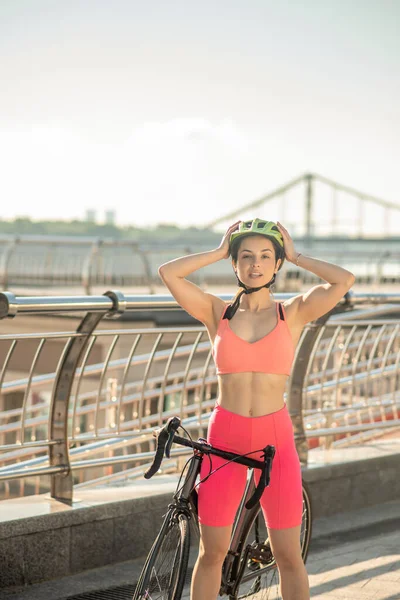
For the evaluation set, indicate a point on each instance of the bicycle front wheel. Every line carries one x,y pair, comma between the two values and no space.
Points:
258,575
163,575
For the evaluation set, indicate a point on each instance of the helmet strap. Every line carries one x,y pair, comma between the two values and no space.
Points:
232,308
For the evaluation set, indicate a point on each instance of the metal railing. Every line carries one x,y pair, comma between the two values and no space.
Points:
79,406
32,262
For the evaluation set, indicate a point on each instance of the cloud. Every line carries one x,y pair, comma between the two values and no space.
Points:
165,167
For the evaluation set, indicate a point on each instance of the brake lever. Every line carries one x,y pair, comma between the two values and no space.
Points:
165,437
172,427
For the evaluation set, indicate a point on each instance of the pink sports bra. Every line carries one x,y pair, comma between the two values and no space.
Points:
273,353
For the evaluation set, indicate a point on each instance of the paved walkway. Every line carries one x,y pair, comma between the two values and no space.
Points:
361,569
352,555
354,565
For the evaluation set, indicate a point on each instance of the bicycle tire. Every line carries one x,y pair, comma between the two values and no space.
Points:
260,580
164,572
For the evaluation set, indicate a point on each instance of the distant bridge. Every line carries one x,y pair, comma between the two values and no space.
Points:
329,220
323,207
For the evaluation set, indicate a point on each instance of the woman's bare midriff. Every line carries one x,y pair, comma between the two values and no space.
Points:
251,394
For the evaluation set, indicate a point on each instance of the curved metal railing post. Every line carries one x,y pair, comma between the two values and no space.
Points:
147,267
87,267
309,180
304,354
5,261
61,482
380,263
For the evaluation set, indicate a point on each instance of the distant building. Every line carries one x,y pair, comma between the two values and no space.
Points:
90,215
110,217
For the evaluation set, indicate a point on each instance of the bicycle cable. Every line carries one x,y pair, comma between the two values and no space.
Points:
225,464
178,489
211,472
189,460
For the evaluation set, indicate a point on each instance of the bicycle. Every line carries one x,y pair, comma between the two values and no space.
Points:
249,569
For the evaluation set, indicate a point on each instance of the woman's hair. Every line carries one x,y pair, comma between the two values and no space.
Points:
234,250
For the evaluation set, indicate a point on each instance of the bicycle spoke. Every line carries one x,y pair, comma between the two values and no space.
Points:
167,567
260,582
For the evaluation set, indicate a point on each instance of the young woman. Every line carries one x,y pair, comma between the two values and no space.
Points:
253,341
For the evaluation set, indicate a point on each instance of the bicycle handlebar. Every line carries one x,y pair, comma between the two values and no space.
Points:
164,442
166,437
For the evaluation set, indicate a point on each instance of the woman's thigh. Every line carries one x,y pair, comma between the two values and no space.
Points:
220,494
282,500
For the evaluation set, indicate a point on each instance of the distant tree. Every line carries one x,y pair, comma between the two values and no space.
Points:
164,233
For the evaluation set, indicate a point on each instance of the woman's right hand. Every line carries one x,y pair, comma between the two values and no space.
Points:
227,236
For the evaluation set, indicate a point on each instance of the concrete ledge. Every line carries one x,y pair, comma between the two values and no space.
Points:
60,540
351,485
109,526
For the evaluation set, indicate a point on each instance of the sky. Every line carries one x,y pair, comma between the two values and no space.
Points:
182,112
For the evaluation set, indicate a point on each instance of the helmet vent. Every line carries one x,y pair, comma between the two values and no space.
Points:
261,225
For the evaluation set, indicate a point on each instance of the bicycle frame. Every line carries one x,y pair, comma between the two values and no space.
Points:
242,524
249,559
243,521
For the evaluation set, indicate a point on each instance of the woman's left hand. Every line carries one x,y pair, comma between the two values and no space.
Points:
288,244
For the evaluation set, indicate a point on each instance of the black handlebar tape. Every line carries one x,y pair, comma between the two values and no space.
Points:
161,441
172,426
169,444
165,437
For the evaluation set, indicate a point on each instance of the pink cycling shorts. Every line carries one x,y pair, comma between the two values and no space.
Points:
220,494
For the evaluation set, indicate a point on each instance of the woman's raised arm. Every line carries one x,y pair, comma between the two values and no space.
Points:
321,298
189,296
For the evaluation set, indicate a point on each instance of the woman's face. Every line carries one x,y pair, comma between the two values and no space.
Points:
255,264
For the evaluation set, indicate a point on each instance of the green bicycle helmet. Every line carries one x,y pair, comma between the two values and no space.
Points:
260,227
